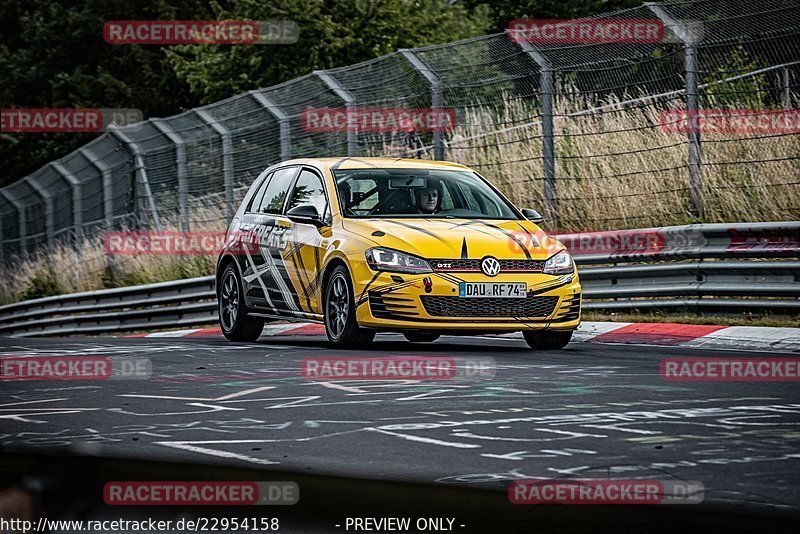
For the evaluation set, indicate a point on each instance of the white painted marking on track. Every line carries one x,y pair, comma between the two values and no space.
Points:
20,403
514,390
23,418
427,440
590,330
752,338
213,409
276,329
174,333
216,452
217,399
339,387
569,434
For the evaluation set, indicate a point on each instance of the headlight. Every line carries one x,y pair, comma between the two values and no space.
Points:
559,263
386,259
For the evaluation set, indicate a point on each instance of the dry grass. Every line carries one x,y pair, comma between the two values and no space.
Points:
65,270
619,169
615,170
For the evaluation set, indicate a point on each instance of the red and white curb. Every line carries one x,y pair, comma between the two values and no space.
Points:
748,338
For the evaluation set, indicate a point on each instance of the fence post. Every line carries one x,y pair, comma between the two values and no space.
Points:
141,172
23,227
546,94
350,103
77,200
77,216
108,193
787,89
227,158
283,122
108,196
437,96
49,217
180,161
695,156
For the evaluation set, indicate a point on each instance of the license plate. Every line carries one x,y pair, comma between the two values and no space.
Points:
486,290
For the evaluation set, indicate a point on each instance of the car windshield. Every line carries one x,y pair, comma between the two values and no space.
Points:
419,193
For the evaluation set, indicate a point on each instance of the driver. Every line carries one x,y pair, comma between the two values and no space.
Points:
427,199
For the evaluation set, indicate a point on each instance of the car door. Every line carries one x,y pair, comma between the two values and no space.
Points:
264,277
306,242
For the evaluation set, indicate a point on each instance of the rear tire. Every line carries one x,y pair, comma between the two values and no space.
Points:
420,337
547,339
341,326
233,319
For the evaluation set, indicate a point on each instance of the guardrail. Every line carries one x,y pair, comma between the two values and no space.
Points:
145,307
731,267
738,267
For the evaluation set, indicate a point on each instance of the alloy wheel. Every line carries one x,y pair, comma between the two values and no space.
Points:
229,302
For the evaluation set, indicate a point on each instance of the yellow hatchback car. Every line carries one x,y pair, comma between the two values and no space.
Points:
367,245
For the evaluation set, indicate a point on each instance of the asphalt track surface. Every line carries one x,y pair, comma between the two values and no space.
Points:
591,410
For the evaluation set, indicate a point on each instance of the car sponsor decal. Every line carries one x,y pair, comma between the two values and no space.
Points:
388,288
257,276
490,234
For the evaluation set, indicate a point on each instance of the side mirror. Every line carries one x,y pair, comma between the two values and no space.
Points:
305,214
533,215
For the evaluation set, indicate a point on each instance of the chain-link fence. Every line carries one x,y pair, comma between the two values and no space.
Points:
576,130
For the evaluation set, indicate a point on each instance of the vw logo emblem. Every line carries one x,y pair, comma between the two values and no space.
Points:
490,266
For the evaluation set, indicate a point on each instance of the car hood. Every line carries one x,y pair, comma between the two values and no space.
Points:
458,238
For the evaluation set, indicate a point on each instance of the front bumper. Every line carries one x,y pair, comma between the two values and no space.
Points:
395,301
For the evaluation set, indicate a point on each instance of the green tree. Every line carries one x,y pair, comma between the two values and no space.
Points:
52,54
504,11
333,33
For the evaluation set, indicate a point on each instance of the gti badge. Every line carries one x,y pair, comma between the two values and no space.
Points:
490,266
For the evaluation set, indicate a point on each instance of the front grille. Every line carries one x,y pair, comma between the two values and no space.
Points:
570,308
385,306
539,307
444,265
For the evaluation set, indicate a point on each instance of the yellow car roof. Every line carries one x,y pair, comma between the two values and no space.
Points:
345,163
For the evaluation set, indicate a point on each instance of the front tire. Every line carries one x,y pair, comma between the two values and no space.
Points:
233,319
547,339
341,326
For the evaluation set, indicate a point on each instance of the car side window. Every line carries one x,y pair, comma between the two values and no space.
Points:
256,201
309,190
359,189
276,191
